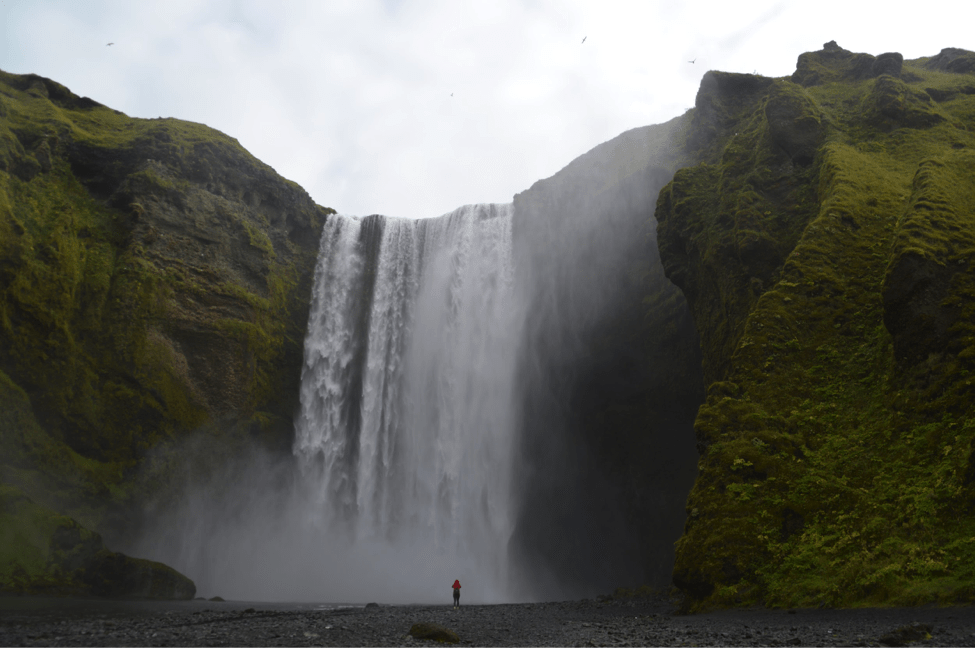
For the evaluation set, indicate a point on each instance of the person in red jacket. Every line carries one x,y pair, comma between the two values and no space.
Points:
456,594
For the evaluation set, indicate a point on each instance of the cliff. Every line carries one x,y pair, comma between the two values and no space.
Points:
609,375
823,232
153,284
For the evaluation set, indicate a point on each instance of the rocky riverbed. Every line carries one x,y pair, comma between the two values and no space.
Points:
606,622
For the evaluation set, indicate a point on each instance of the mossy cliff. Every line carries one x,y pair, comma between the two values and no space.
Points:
153,282
42,552
824,235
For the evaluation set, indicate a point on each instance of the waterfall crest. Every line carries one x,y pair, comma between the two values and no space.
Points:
404,439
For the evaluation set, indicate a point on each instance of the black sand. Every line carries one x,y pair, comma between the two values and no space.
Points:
647,622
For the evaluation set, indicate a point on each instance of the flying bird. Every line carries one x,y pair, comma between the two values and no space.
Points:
109,44
692,61
584,39
451,94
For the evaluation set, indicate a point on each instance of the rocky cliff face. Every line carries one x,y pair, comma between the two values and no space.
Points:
609,377
153,282
823,231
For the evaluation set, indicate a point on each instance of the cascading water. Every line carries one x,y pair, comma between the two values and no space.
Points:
407,411
529,433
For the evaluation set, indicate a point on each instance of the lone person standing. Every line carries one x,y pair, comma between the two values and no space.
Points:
456,594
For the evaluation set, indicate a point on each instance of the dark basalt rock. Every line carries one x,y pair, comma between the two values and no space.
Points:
833,63
914,291
953,59
889,63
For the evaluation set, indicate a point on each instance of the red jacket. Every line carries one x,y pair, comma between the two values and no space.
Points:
456,584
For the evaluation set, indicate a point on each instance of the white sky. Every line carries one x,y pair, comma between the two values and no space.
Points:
352,100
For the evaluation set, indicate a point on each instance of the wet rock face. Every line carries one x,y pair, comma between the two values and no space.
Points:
609,377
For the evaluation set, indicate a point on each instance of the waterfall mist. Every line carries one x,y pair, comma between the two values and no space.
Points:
503,395
609,379
400,480
404,437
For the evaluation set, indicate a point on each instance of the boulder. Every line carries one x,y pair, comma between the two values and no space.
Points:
889,63
952,59
47,553
433,632
116,575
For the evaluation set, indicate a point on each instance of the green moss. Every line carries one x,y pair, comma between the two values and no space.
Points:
259,239
836,462
112,316
42,552
29,560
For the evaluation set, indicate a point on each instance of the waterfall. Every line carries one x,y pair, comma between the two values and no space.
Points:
528,433
404,438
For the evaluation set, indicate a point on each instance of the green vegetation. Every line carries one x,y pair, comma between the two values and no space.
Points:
42,552
834,291
153,283
26,554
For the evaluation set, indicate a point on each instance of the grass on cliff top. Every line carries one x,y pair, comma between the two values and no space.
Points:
837,475
36,108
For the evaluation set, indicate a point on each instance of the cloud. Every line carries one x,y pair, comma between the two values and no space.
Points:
352,99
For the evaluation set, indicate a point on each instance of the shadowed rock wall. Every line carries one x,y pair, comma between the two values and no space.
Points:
609,376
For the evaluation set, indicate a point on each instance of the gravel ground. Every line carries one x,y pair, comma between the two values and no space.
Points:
639,622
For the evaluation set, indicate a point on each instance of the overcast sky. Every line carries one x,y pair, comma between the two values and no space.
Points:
414,108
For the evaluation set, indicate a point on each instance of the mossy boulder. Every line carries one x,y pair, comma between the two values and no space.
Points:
154,283
834,293
42,552
834,64
433,632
